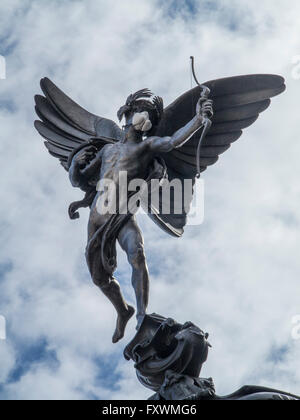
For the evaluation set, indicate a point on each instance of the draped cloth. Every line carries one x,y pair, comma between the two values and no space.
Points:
103,241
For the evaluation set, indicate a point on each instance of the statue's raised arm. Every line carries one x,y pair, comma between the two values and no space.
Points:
204,109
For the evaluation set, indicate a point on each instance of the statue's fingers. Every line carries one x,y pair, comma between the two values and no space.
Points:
209,102
81,155
86,155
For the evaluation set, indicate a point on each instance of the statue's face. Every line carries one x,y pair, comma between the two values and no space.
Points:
140,121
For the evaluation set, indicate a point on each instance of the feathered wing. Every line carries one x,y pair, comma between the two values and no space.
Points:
65,125
237,103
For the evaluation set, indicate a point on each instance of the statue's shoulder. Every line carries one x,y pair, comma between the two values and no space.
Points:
109,147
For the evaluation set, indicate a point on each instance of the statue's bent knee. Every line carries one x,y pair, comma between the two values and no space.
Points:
101,281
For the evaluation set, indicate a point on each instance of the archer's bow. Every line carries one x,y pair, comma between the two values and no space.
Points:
207,122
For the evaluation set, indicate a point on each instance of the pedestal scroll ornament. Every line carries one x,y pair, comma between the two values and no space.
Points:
157,143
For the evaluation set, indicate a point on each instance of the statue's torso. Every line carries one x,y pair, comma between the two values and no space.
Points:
120,164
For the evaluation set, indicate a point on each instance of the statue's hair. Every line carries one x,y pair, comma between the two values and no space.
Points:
137,102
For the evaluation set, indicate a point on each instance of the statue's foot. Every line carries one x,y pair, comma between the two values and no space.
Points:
121,324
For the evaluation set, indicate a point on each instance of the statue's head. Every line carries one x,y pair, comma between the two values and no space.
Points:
144,114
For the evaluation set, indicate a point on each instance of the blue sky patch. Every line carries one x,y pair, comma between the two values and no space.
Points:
30,355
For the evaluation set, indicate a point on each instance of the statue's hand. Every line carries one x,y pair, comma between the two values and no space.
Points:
84,157
204,108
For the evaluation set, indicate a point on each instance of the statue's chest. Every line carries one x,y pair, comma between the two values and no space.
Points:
111,155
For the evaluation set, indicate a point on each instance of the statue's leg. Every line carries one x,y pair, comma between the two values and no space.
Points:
111,289
131,241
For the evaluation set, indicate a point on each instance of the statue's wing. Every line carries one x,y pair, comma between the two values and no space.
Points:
65,125
237,103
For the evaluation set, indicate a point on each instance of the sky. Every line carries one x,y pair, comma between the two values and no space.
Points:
236,276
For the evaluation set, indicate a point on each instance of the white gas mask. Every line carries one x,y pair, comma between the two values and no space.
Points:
141,121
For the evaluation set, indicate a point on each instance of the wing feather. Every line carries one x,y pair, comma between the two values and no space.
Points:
222,139
50,116
241,112
54,137
69,110
57,150
65,125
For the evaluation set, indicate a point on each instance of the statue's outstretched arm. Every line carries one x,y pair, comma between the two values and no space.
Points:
181,136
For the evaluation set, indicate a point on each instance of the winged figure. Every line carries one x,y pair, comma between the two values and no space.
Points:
154,143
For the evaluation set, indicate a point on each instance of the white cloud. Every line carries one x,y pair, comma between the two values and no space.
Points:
238,273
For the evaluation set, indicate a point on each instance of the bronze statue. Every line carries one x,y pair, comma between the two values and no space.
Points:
155,143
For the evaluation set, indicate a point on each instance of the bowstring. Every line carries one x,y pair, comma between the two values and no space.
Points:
198,175
191,75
